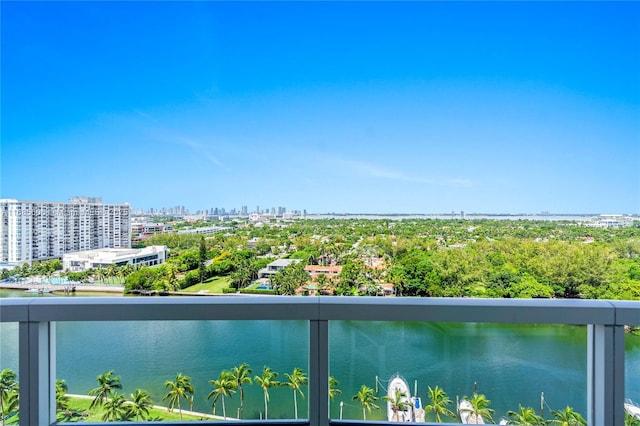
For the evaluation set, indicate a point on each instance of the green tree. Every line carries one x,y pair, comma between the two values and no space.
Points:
287,280
8,385
567,417
528,287
115,408
266,381
439,403
241,374
12,402
246,271
62,399
367,399
140,404
111,271
525,416
101,274
630,420
223,386
333,388
202,259
107,383
180,388
480,406
398,403
171,275
296,380
144,279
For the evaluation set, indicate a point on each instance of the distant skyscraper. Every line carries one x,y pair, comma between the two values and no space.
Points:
36,230
245,210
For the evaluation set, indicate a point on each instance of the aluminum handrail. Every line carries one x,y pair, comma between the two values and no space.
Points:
540,311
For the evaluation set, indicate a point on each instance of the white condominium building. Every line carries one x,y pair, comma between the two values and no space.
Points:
102,258
36,230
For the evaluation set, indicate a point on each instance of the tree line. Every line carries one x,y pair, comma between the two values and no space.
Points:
115,407
429,258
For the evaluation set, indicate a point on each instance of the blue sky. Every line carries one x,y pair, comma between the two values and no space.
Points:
415,107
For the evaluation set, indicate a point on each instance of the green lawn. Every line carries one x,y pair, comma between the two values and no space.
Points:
80,408
212,285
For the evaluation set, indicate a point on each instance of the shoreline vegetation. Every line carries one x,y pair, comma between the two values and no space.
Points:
105,404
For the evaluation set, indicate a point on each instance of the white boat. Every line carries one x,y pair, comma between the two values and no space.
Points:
632,408
37,291
399,391
466,414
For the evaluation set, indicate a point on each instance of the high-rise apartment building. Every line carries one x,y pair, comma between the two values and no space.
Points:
36,230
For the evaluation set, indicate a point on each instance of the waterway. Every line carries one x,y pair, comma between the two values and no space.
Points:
510,364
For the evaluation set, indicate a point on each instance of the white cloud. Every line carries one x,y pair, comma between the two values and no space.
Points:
375,171
164,134
459,182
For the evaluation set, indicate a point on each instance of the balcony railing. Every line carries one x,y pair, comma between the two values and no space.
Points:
37,318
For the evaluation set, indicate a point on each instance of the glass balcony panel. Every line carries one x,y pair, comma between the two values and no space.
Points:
146,354
632,373
9,363
510,364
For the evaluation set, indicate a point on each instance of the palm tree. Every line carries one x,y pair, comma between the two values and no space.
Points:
367,399
111,271
62,400
126,270
267,381
525,416
296,379
8,385
171,275
180,388
115,408
107,383
223,386
480,406
140,404
567,417
439,403
333,387
241,374
101,274
630,420
398,402
12,402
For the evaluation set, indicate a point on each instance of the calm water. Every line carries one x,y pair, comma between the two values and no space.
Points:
511,364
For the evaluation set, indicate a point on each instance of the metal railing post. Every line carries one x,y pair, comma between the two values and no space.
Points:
605,375
319,373
37,367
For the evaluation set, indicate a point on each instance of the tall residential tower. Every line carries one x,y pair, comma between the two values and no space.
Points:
37,230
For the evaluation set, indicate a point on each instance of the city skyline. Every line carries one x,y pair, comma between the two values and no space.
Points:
345,107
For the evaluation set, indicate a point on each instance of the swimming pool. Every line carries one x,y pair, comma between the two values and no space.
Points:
264,287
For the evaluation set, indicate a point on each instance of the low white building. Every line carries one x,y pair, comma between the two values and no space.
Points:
611,221
275,267
102,258
207,230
